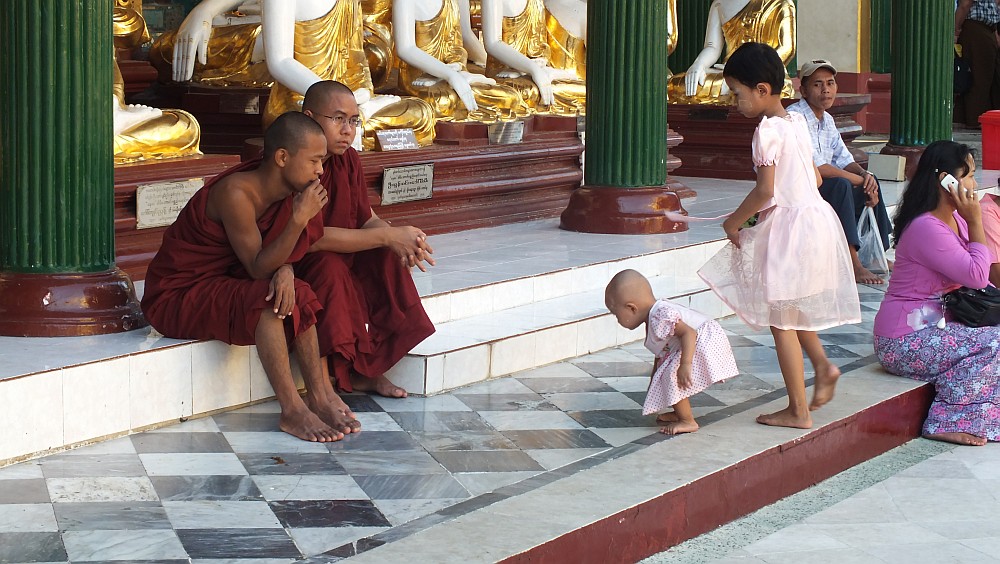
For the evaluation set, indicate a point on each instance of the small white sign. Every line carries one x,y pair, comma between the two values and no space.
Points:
407,183
159,204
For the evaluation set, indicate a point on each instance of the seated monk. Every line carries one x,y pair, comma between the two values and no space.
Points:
432,65
515,37
213,48
306,41
732,23
223,272
359,269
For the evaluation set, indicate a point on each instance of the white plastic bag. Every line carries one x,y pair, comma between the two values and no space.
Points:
871,253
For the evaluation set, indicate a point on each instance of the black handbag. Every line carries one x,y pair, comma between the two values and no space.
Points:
975,308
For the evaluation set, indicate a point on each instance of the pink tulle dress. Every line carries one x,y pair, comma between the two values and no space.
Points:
712,361
793,268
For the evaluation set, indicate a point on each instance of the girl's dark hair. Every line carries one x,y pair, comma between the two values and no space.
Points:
923,194
753,63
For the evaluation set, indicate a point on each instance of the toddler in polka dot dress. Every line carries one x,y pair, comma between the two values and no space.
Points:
692,351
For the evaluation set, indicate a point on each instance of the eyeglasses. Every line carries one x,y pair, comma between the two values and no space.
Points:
341,120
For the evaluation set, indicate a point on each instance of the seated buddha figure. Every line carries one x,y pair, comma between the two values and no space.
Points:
566,22
306,41
142,132
515,37
732,23
432,65
217,44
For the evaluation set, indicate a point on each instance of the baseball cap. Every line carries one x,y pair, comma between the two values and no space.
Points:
812,66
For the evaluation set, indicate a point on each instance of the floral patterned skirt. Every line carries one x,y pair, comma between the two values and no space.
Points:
963,364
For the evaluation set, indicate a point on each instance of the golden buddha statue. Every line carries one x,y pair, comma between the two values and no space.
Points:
217,44
732,23
142,132
445,81
378,39
330,46
519,56
566,23
671,31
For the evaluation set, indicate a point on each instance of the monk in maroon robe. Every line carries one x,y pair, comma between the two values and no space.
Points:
372,315
224,272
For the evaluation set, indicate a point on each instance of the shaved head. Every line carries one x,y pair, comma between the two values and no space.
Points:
628,286
319,94
290,132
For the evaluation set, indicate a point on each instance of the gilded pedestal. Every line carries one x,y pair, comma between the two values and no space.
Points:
57,269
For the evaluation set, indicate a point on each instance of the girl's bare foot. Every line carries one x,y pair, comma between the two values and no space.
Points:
678,427
786,418
381,386
826,383
668,417
958,438
307,426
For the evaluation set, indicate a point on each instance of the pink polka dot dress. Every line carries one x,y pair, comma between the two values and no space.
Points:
713,358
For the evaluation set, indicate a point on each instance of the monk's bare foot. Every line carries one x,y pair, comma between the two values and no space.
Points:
336,414
381,386
826,383
678,427
668,417
864,276
308,426
958,438
786,418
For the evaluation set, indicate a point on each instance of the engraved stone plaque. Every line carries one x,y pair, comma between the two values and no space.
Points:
396,139
159,204
407,183
506,132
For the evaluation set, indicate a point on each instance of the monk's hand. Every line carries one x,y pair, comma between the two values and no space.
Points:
410,245
282,291
309,202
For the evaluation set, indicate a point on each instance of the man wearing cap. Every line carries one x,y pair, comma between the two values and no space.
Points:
846,186
975,29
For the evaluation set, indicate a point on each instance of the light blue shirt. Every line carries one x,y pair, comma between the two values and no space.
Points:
828,146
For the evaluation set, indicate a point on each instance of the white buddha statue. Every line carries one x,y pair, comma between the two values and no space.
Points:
566,23
432,65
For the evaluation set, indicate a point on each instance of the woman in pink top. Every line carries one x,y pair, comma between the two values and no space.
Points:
940,246
991,225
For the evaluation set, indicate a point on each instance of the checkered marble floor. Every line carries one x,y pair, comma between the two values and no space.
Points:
233,488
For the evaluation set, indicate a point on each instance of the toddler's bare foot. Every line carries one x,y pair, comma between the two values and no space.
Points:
678,427
958,438
786,418
307,426
668,417
826,383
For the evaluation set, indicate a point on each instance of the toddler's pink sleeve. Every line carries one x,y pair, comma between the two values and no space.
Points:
766,144
663,320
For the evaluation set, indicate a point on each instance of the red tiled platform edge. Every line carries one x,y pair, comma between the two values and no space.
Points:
717,139
743,488
134,248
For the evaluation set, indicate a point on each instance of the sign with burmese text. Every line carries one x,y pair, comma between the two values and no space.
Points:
159,204
396,139
407,183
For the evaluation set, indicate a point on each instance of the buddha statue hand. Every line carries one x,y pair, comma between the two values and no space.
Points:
127,117
542,78
376,103
476,78
461,85
192,43
362,96
694,78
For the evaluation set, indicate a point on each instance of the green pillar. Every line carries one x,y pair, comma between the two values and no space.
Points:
57,267
922,59
625,178
881,36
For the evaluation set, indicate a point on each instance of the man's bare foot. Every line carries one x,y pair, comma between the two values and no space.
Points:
381,386
668,417
336,414
307,426
864,276
958,438
826,383
786,418
678,427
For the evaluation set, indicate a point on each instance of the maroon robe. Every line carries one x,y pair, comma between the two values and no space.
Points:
197,288
367,287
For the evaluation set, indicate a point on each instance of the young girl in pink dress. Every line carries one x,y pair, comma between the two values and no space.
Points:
692,351
791,271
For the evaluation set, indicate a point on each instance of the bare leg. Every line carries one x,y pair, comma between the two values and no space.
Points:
861,274
296,419
685,420
958,438
323,401
790,361
381,386
827,372
668,417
